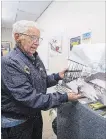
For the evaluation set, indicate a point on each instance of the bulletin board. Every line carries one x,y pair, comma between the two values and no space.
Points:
5,47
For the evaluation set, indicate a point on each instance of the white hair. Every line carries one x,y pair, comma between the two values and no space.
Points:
22,26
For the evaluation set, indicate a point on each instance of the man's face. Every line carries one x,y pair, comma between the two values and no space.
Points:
29,40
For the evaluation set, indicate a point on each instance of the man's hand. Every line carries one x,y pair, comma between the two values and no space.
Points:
73,96
61,74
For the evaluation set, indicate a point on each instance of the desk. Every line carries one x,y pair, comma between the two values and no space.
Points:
78,121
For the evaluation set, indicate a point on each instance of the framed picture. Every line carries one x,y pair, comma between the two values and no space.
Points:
5,47
55,45
75,41
86,38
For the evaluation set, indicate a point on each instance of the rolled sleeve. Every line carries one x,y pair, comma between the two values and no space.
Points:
64,98
57,77
53,79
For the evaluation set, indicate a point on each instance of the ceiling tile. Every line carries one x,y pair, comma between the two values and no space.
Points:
25,16
9,10
34,7
26,10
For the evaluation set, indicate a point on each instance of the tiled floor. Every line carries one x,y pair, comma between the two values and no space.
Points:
47,126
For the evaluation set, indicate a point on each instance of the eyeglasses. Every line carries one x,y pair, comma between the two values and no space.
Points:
33,37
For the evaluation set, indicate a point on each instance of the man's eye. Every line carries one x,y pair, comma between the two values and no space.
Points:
32,37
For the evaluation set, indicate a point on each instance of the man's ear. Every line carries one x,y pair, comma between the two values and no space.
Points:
16,36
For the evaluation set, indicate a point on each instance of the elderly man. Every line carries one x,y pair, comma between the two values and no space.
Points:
24,85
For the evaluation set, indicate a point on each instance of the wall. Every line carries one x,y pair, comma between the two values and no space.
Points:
71,19
6,35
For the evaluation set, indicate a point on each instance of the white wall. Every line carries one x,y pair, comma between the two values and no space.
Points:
6,34
71,19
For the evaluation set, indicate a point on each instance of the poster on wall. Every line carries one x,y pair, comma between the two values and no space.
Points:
5,47
55,45
86,38
75,41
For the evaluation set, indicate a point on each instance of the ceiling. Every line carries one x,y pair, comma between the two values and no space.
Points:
18,10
